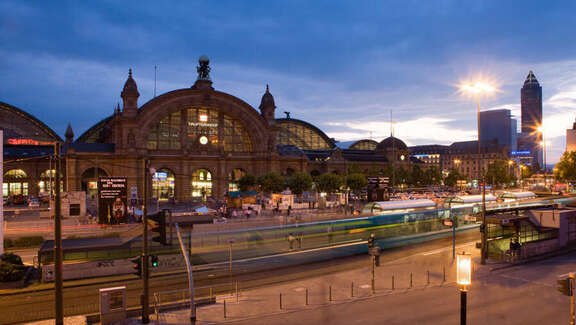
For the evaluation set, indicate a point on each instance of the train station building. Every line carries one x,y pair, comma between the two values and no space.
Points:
199,142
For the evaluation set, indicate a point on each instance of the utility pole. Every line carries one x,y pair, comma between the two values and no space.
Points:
58,241
145,269
484,250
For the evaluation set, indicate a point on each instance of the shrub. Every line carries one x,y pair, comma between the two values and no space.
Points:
31,241
11,272
11,258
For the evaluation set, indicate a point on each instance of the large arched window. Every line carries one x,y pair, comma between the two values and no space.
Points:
302,135
163,184
89,180
233,178
15,183
201,183
364,145
199,128
46,181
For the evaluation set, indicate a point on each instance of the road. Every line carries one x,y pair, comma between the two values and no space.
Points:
79,300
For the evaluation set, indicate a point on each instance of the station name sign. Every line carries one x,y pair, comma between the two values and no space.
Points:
30,142
521,153
203,124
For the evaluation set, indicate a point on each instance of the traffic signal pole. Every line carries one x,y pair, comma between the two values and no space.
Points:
58,294
145,270
571,283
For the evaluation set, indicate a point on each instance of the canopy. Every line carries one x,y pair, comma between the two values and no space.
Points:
397,205
474,198
518,195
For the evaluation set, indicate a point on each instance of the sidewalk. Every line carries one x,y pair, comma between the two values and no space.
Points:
421,271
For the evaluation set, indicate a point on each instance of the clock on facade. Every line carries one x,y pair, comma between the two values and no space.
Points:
203,140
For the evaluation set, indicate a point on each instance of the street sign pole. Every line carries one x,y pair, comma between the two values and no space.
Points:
58,241
145,270
571,283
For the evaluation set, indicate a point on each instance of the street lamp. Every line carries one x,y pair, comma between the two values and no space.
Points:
476,90
463,278
511,169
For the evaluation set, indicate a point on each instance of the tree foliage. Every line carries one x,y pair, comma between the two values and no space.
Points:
565,169
329,183
271,183
432,176
300,182
499,173
356,182
247,182
453,177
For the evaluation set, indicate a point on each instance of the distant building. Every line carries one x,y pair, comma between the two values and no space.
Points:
571,138
498,126
429,154
531,106
464,157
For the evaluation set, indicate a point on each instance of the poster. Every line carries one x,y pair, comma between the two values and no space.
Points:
112,199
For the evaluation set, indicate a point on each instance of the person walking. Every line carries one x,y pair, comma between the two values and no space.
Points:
291,241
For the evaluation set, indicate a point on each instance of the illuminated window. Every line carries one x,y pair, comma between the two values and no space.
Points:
364,145
201,183
163,184
233,178
47,180
203,129
15,183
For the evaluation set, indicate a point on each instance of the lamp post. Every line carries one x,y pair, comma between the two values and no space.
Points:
454,199
477,89
463,278
511,169
540,131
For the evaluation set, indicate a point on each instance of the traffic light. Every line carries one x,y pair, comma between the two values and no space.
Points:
137,266
565,287
154,259
158,224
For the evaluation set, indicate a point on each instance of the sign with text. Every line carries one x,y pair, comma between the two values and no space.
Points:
112,200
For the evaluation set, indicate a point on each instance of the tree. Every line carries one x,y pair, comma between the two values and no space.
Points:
247,183
498,173
453,177
300,182
271,183
329,183
432,176
356,182
565,169
416,176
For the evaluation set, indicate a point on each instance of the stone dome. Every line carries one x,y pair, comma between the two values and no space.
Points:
391,143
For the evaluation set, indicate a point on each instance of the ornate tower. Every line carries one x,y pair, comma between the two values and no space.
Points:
267,106
130,97
69,134
531,107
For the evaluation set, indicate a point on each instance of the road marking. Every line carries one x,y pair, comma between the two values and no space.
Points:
440,250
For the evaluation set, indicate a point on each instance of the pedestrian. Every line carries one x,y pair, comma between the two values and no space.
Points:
300,237
234,214
291,241
248,213
288,211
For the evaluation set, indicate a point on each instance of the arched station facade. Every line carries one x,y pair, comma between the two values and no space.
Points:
199,142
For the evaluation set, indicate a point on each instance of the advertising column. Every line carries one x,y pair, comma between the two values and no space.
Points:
112,200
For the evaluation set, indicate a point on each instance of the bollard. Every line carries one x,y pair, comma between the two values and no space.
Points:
392,281
411,282
307,302
443,273
224,308
237,296
428,277
280,301
352,289
329,293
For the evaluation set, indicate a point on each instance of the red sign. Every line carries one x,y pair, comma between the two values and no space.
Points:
447,222
30,142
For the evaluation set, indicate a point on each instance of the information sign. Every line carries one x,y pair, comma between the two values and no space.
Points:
112,200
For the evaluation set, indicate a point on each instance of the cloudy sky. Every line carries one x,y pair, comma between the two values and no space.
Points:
341,65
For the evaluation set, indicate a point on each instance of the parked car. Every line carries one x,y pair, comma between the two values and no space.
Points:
18,199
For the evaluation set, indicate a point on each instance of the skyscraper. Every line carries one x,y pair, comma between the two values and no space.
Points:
531,106
498,126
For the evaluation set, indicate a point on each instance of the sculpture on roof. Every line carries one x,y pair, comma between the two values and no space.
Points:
203,68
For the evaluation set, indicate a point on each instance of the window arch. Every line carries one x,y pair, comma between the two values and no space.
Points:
15,183
302,135
364,145
233,178
89,180
163,184
201,183
199,128
46,182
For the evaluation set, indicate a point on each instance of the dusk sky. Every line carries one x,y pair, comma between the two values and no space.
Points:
341,65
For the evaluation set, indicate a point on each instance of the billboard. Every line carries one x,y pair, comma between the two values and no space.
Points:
112,200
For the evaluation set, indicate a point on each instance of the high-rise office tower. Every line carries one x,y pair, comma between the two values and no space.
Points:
498,126
531,106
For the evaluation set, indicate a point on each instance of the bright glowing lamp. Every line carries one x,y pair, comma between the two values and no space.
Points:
464,269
